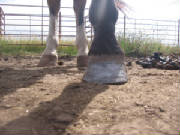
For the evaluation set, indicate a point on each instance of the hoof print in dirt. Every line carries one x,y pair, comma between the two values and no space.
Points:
171,62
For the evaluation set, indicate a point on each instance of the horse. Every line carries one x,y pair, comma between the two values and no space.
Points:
105,59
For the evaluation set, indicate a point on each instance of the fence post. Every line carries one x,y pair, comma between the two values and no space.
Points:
1,21
134,26
124,27
4,24
42,19
59,25
157,30
91,33
179,32
30,27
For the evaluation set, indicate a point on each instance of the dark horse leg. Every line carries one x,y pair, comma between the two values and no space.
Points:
106,59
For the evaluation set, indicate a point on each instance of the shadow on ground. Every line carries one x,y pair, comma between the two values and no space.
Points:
52,118
12,79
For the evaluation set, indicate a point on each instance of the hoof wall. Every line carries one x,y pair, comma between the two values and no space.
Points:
106,72
47,61
82,61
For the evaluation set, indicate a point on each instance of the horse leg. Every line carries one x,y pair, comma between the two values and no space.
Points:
49,56
106,58
81,41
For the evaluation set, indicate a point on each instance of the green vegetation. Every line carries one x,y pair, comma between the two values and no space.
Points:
25,47
131,46
141,47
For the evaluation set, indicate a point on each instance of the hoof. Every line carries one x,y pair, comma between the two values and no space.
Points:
106,70
48,60
82,61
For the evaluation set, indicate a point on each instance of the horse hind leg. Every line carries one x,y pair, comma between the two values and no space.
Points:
49,56
81,41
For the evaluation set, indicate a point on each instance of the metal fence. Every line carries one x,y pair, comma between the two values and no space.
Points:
34,26
31,27
164,31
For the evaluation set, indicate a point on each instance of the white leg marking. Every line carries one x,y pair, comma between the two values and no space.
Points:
81,41
52,39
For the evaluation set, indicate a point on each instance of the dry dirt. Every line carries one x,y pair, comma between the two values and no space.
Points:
54,101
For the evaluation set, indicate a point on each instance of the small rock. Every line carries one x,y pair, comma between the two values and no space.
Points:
139,104
159,65
146,65
1,70
157,55
6,106
42,89
6,59
148,59
175,64
27,111
75,87
168,59
64,117
169,67
129,64
163,59
161,110
60,63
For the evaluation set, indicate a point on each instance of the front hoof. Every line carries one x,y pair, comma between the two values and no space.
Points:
106,70
48,60
82,61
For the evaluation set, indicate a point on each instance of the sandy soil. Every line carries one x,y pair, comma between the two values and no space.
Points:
54,101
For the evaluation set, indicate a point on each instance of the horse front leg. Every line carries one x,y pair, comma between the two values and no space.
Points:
81,41
49,56
106,58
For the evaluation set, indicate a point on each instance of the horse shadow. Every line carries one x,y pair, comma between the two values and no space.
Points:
52,118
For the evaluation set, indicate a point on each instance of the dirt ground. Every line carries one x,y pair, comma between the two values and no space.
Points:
55,101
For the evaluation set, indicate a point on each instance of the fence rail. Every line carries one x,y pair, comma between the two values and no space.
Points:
164,31
35,26
20,26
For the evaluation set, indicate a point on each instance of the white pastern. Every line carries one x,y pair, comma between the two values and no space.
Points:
81,41
52,38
